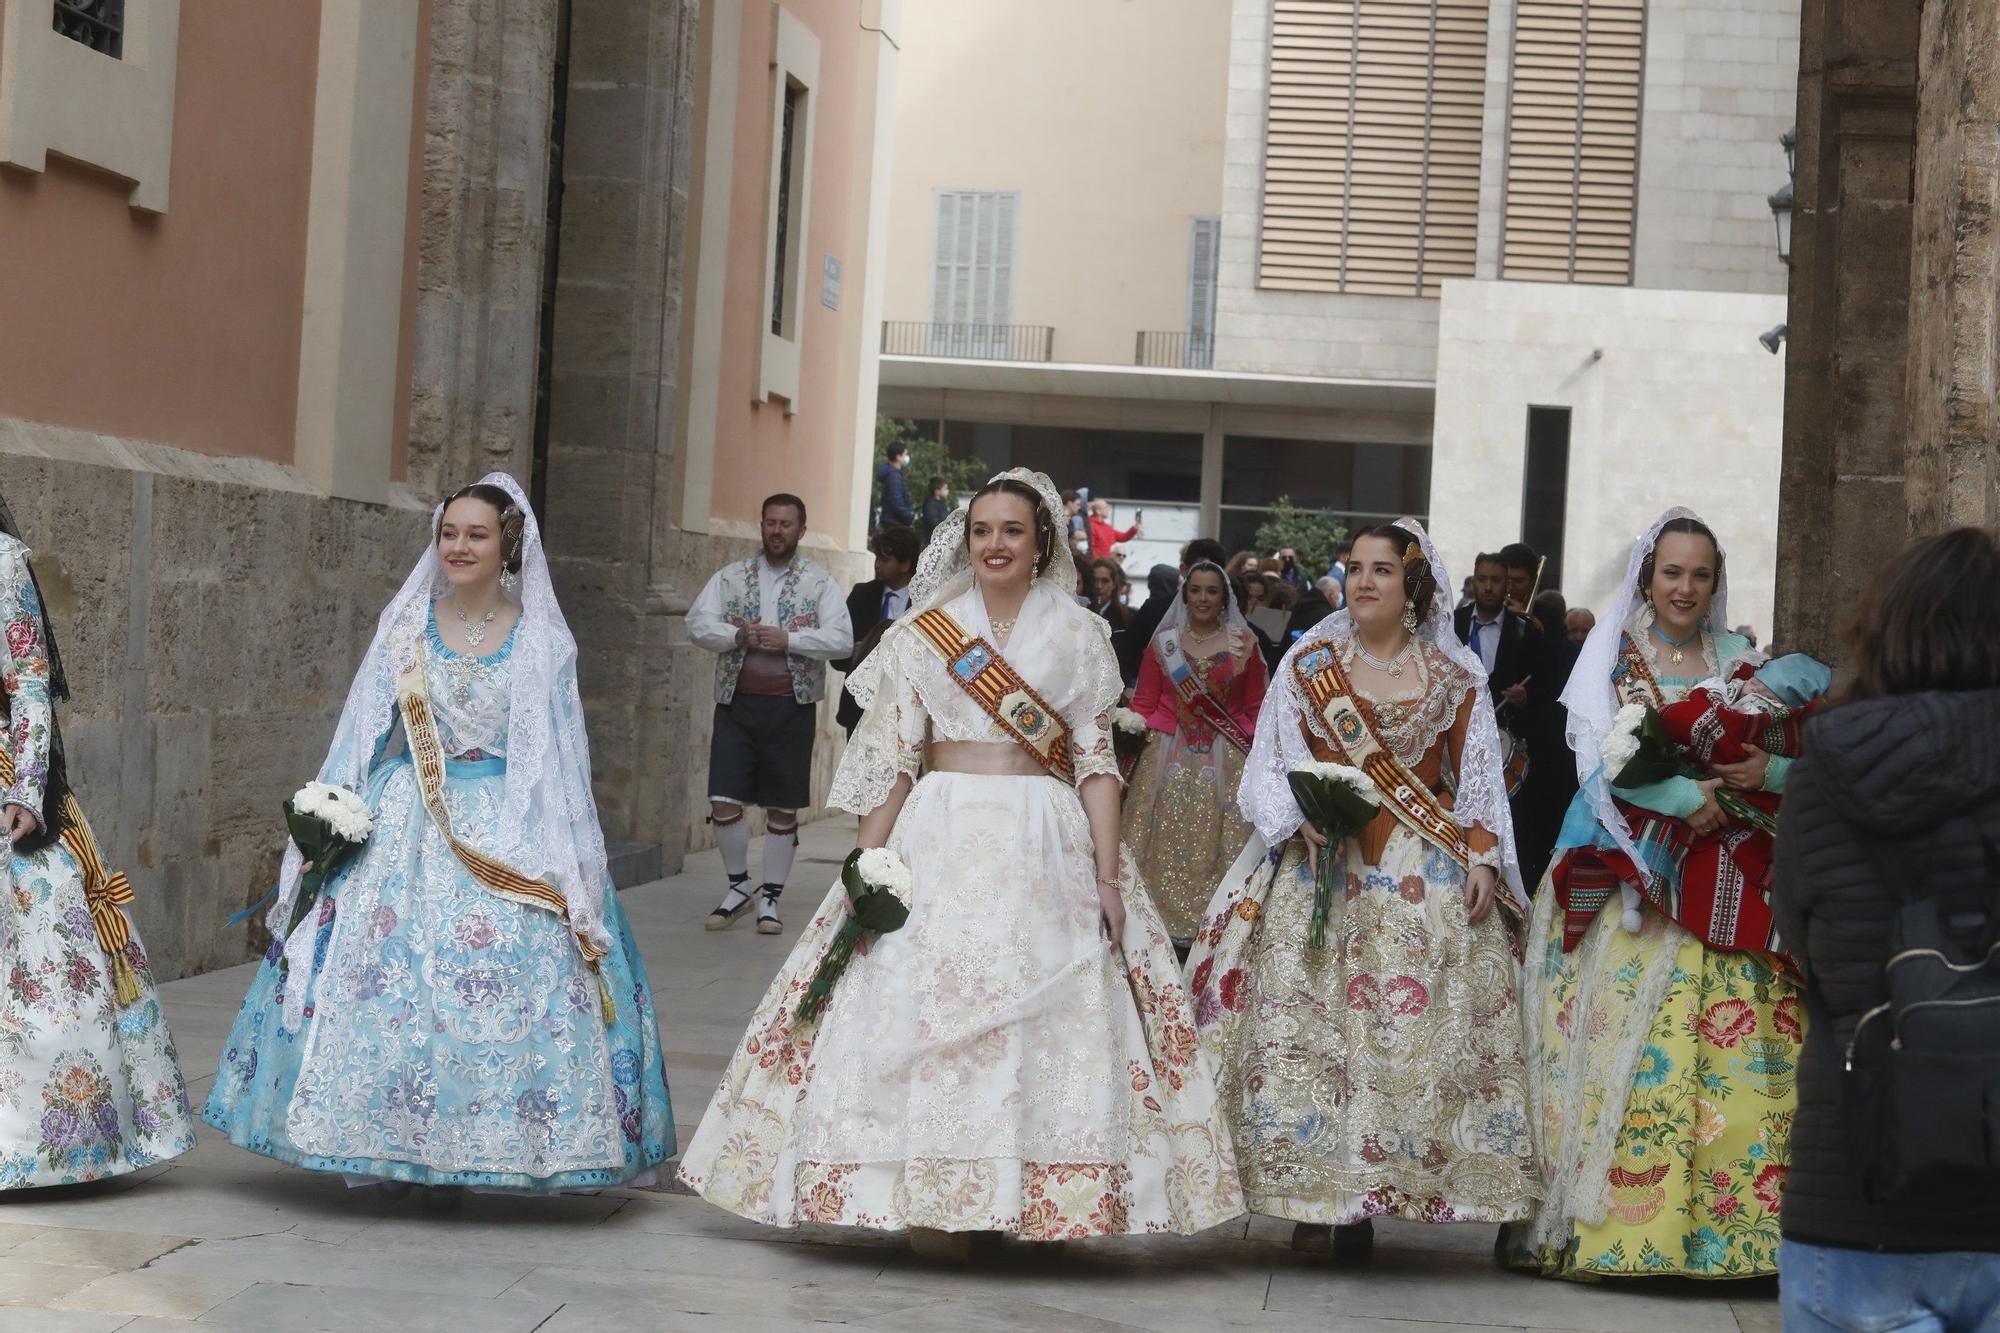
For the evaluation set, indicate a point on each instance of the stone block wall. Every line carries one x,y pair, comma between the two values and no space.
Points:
1720,87
211,613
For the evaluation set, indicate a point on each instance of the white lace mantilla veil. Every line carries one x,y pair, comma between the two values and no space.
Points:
1576,1188
944,570
1590,698
1175,621
1265,794
547,815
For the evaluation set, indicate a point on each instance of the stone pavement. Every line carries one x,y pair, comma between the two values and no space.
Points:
229,1240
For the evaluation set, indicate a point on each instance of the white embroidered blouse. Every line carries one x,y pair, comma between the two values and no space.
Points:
1061,650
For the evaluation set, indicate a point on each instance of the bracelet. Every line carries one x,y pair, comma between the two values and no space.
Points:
1104,883
1488,858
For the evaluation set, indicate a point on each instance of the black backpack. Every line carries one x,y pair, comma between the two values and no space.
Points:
1921,1081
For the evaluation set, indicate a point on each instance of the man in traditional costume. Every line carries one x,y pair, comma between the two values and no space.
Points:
774,621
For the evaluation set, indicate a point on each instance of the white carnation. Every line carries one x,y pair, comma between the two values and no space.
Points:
344,812
1623,742
1124,719
882,869
1345,776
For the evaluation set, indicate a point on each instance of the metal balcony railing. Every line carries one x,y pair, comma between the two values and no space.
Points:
1175,351
980,342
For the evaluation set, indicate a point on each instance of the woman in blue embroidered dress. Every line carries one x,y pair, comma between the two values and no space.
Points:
417,1025
89,1084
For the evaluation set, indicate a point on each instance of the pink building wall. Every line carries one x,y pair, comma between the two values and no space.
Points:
183,328
758,449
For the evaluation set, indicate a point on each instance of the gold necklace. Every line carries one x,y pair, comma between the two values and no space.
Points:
1002,628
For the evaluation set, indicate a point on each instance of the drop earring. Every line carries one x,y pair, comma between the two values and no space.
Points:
510,582
1410,617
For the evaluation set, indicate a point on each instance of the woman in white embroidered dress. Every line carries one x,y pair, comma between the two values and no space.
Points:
1381,1074
417,1026
1020,1057
89,1086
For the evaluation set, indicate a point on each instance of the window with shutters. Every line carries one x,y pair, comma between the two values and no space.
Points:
794,110
972,275
1573,140
1371,145
1204,255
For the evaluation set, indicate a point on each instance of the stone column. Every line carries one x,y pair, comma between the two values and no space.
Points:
1952,476
628,158
486,163
1841,501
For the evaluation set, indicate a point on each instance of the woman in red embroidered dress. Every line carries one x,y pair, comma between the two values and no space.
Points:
1181,820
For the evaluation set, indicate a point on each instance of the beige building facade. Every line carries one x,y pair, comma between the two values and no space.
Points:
274,277
1394,184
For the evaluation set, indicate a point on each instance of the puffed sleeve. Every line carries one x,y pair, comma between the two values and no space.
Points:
1089,717
1152,684
890,740
27,682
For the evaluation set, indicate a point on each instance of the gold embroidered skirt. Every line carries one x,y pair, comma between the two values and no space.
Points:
1182,824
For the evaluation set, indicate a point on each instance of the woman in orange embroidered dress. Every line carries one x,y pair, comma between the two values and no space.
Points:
1381,1073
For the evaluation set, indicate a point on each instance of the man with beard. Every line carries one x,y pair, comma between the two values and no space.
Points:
775,620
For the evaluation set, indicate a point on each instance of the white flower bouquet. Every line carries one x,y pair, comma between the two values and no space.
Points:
879,886
1338,801
329,824
1129,735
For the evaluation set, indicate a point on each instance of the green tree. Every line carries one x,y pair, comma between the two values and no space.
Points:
928,458
1313,533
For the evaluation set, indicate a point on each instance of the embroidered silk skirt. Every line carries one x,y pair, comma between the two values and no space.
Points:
1182,824
1665,1086
1380,1075
88,1088
451,1037
991,1066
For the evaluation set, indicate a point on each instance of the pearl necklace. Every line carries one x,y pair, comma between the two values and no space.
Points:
1001,628
1393,668
475,630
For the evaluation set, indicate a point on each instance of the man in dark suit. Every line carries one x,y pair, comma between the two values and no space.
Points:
1503,639
875,605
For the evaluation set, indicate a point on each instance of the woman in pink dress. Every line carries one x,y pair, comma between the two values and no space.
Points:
1200,688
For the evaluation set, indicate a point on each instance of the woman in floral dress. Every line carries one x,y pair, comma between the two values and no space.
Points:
1200,689
464,1005
1020,1056
1380,1074
1662,1064
89,1084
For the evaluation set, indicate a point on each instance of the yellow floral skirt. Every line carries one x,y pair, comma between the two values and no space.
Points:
1688,1181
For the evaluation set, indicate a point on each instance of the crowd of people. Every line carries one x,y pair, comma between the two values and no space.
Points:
1450,909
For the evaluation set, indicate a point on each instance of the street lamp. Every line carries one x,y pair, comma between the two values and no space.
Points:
1781,202
1781,218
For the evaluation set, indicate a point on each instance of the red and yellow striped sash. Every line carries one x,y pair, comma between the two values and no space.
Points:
1331,698
105,892
999,689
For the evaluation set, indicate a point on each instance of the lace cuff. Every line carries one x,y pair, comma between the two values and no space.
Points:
1489,857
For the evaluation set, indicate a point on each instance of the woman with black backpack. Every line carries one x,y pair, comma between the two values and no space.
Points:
1888,889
